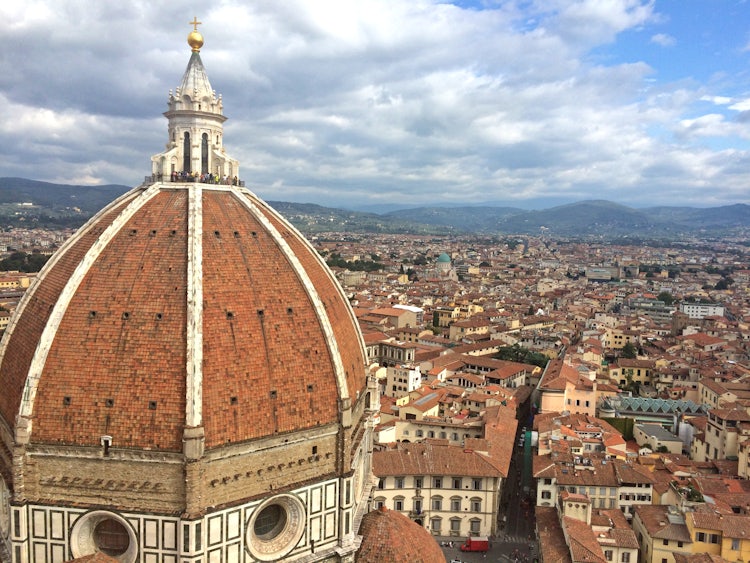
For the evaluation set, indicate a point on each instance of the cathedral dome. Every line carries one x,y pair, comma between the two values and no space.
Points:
185,378
179,306
391,537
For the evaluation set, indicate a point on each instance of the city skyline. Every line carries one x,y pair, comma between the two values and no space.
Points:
529,104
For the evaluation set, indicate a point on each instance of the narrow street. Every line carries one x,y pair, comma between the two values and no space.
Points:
517,513
516,539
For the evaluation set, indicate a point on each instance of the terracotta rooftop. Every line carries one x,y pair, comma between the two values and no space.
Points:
582,541
431,458
552,544
391,537
661,523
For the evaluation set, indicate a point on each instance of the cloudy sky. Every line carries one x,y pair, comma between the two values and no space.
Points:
530,103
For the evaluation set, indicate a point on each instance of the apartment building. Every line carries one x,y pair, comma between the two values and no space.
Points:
387,351
469,327
563,388
718,393
657,438
725,429
626,371
720,534
402,380
600,533
445,316
662,532
606,483
701,310
450,490
616,338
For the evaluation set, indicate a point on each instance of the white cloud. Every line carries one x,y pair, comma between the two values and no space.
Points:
414,101
664,40
741,105
718,100
599,21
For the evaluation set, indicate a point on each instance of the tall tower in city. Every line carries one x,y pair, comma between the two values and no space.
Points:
185,381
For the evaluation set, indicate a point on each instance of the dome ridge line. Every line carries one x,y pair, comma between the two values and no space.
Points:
61,306
312,292
305,242
194,367
54,259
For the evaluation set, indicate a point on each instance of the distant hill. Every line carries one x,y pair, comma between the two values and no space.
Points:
312,218
89,199
31,203
725,217
458,219
583,218
588,218
56,204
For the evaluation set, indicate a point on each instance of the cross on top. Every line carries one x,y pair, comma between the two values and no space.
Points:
195,23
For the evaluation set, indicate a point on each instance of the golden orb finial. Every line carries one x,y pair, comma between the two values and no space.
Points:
194,38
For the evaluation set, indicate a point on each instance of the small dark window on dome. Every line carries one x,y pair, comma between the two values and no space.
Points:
289,310
260,312
233,400
66,401
152,405
172,233
158,316
254,234
217,234
273,393
92,314
133,232
125,316
236,234
152,233
310,387
110,402
230,315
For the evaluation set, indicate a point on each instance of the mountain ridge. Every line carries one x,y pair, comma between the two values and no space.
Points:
48,204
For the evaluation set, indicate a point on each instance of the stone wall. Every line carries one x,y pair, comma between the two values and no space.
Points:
46,533
125,481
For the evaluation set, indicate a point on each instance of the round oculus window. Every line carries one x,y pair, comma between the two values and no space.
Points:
275,527
104,532
270,522
111,537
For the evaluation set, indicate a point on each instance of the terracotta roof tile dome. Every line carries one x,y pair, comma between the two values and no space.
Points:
390,537
185,379
280,347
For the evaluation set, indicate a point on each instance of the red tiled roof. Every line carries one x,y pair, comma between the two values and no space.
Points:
431,458
390,537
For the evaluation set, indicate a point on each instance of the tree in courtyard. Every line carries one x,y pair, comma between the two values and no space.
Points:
629,351
724,283
666,297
